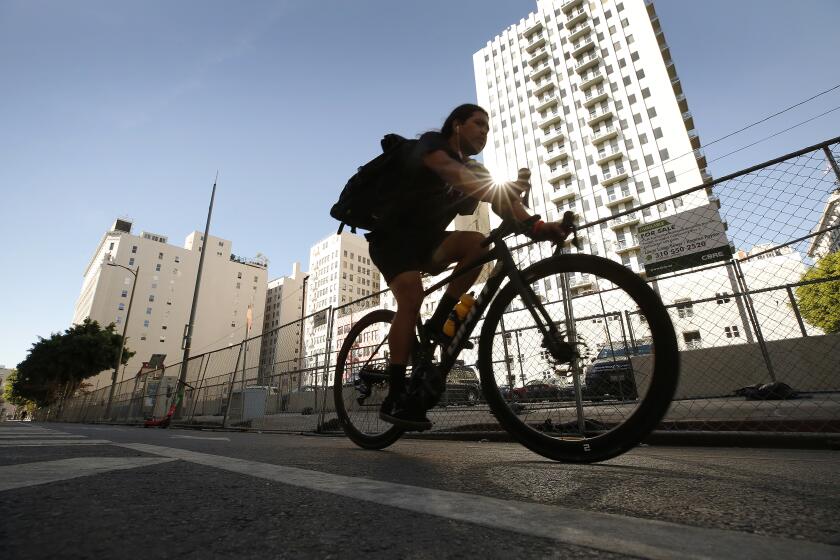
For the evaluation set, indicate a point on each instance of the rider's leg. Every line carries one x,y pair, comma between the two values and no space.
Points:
407,288
462,247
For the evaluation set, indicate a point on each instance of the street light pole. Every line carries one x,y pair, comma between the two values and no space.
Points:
182,378
134,273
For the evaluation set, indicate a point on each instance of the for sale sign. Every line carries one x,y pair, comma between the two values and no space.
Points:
691,238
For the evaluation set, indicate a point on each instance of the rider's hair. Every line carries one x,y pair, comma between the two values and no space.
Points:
459,114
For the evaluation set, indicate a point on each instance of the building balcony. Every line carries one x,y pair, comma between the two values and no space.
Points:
582,46
714,200
536,42
688,119
554,135
596,117
706,176
682,102
587,62
543,86
551,119
581,282
677,85
603,134
591,79
562,193
555,154
546,103
595,96
619,197
624,221
694,139
576,17
531,29
626,245
540,71
559,174
613,177
569,4
701,159
605,156
580,30
539,55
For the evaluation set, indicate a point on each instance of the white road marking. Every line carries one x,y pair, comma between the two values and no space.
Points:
601,531
33,474
51,442
199,437
30,436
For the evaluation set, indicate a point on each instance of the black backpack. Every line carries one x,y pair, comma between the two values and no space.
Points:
369,197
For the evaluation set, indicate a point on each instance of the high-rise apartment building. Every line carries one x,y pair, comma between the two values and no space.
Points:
281,349
340,272
586,95
163,294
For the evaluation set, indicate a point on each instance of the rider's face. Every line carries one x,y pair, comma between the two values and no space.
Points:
473,133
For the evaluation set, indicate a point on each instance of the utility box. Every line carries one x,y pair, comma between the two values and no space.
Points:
255,397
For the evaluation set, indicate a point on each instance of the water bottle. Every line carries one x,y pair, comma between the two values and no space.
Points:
456,317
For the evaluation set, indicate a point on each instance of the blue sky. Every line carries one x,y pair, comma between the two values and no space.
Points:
114,108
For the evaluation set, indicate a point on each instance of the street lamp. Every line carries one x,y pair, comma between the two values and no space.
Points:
135,273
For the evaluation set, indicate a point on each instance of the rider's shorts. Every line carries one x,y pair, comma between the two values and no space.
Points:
395,252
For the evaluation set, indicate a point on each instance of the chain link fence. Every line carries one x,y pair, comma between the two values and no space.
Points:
754,355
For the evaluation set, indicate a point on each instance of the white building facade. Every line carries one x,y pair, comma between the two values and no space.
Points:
585,95
340,272
163,294
281,350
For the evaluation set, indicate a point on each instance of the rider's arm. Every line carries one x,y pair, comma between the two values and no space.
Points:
482,188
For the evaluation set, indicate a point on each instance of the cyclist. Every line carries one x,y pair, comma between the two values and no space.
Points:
443,182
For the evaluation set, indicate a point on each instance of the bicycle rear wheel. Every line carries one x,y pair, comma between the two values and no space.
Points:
584,410
361,382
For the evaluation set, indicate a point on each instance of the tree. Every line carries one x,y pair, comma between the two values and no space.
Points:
11,395
55,367
819,303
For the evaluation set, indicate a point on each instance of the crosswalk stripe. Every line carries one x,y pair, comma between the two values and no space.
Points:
613,533
51,442
30,436
33,474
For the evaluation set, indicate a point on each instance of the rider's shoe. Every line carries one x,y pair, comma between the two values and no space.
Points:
405,413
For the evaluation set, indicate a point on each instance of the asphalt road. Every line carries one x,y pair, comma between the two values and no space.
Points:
81,491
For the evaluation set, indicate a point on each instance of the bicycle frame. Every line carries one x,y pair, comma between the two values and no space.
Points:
505,268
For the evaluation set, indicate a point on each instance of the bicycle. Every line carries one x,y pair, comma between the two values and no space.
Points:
581,434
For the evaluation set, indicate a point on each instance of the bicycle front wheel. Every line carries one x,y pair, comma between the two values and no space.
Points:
617,388
361,382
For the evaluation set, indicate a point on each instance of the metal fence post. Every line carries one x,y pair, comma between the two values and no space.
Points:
230,391
830,157
754,318
571,337
329,337
795,307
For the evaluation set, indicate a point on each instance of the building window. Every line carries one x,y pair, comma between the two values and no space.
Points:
177,259
146,323
157,267
239,275
238,284
152,297
121,307
134,248
148,311
731,332
685,310
131,261
160,256
692,340
722,297
670,177
124,293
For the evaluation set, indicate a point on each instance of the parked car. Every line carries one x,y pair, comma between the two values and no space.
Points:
539,390
611,373
462,385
